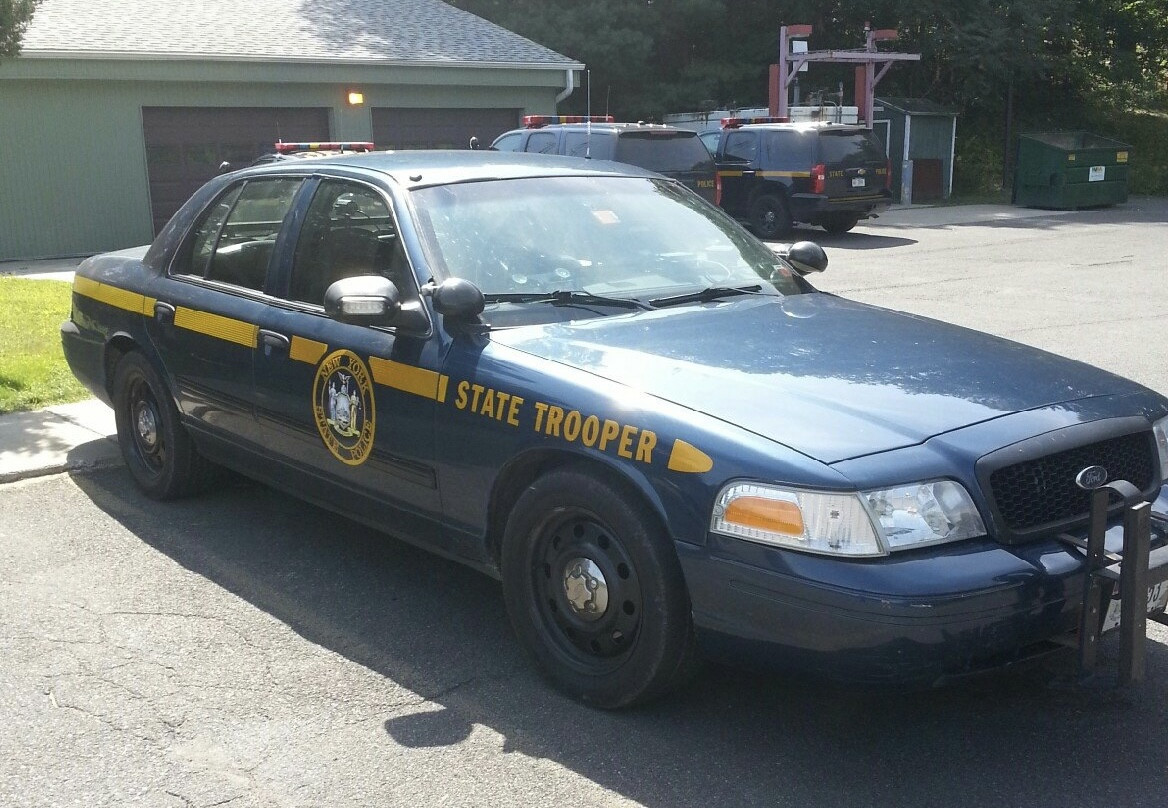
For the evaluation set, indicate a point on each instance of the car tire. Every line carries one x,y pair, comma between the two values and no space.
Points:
157,450
838,223
770,216
594,591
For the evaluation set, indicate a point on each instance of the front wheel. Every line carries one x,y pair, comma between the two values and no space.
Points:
157,449
595,592
770,217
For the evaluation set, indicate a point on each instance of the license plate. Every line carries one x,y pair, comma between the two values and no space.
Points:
859,182
1096,173
1157,600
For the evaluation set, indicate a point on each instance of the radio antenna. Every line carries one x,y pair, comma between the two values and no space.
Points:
588,120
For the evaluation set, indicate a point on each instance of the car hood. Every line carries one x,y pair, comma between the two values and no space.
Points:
830,378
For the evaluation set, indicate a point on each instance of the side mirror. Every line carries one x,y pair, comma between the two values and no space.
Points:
804,256
458,299
363,300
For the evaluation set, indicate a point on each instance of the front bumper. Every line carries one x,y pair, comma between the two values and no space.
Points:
913,618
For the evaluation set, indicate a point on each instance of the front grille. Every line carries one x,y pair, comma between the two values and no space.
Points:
1043,491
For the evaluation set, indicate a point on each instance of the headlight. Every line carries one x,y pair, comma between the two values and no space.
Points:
924,513
1160,430
870,523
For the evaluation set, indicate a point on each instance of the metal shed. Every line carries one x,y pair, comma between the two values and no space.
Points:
919,136
115,112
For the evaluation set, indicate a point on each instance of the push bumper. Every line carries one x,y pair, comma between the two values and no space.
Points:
911,618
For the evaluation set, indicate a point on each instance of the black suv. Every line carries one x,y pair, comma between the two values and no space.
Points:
771,175
675,153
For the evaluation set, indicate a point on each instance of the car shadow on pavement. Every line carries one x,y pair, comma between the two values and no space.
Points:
846,241
732,738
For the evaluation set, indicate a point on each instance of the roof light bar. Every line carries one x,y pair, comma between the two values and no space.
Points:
288,148
734,123
536,121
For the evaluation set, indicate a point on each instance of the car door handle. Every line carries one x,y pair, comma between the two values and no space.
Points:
273,342
164,312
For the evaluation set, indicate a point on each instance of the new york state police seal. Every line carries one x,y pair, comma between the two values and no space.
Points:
342,404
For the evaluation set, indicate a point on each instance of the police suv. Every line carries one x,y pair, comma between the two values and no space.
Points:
675,153
773,174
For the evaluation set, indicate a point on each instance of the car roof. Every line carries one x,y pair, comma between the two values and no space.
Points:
416,168
809,127
601,127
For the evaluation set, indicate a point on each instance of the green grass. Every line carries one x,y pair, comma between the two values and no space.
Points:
33,372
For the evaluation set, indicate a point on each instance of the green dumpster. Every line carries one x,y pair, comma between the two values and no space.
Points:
1070,170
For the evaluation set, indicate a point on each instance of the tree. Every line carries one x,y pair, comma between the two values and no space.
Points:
14,18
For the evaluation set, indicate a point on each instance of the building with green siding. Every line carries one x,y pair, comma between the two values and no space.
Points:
920,137
115,112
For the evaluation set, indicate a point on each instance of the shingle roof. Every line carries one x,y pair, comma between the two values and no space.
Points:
361,31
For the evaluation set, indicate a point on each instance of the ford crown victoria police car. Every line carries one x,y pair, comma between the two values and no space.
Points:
585,380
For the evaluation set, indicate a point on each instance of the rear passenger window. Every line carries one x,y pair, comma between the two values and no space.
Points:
542,142
663,151
233,241
595,145
791,151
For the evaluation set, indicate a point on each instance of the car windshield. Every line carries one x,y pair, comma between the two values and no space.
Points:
634,238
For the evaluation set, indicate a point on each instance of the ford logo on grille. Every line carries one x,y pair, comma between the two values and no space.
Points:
1091,478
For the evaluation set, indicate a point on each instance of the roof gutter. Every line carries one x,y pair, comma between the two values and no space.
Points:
158,56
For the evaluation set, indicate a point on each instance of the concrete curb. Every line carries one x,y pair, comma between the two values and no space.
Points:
63,438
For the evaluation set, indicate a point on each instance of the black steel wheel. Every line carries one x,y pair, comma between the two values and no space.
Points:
770,217
156,448
594,591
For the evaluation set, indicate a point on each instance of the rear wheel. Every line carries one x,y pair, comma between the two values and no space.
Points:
837,223
594,591
157,449
770,216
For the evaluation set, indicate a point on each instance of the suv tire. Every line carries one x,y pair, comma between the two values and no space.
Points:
837,223
770,216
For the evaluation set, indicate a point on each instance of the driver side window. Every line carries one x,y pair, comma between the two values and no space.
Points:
348,231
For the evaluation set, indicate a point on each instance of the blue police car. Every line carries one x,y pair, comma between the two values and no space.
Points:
583,379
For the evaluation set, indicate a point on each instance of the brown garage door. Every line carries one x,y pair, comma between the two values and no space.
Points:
186,145
411,128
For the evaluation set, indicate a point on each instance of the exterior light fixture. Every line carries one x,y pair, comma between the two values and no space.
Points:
356,98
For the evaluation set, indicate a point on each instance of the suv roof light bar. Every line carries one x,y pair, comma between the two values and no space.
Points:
289,148
536,121
734,123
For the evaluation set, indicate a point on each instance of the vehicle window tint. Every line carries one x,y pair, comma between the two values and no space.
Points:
542,142
508,142
232,241
348,231
850,148
194,258
596,145
790,151
710,140
742,146
663,151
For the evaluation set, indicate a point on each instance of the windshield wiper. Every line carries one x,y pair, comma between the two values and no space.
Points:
706,295
567,297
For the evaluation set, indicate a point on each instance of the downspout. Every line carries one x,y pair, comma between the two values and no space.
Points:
569,86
